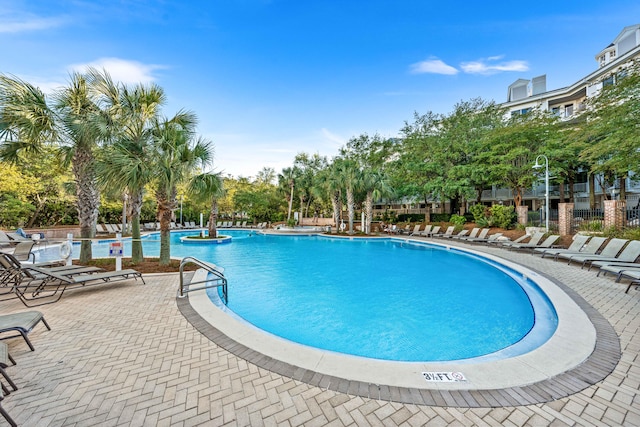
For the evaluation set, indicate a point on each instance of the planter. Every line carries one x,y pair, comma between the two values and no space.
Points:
205,240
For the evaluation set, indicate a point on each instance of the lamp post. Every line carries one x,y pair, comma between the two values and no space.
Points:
546,187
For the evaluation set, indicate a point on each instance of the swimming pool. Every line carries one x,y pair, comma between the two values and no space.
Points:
377,298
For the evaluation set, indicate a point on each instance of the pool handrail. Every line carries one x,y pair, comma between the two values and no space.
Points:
218,280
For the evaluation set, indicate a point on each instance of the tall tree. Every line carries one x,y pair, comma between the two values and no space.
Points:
28,120
612,127
177,153
208,187
126,164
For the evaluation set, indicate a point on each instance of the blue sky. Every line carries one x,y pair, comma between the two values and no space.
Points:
271,78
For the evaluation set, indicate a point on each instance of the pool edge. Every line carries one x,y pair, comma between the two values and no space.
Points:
599,363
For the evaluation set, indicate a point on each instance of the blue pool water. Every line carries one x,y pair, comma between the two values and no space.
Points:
385,299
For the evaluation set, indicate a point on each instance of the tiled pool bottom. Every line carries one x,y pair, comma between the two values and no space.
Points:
559,368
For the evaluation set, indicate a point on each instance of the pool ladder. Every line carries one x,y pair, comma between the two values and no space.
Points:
214,279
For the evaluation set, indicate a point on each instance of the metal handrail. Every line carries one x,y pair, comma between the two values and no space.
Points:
217,281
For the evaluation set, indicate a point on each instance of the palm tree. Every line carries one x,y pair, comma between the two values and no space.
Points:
329,182
376,185
350,175
207,187
126,164
287,180
176,155
28,121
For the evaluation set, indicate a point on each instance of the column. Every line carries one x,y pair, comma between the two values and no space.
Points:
615,213
565,218
523,214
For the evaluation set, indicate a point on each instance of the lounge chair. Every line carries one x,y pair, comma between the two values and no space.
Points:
22,323
629,254
426,232
481,236
447,233
534,239
579,241
592,247
22,251
617,268
416,230
470,234
244,224
608,252
451,236
547,243
4,413
634,275
5,360
435,230
47,287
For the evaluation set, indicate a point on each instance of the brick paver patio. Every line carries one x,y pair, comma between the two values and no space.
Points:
123,355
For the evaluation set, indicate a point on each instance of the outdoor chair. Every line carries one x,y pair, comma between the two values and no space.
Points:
608,252
45,286
592,247
547,243
416,230
469,235
448,232
534,239
5,360
630,253
22,251
579,240
22,323
4,413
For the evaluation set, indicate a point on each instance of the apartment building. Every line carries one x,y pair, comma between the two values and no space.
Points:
524,95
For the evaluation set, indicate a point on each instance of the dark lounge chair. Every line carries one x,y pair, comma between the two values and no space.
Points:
22,323
40,286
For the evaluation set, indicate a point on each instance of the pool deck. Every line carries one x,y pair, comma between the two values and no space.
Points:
123,354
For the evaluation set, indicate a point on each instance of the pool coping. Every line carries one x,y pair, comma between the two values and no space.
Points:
353,376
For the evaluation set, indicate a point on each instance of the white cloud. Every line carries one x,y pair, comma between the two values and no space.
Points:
21,25
122,70
489,66
433,66
332,137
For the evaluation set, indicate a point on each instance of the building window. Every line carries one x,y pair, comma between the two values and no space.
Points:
568,110
555,111
608,81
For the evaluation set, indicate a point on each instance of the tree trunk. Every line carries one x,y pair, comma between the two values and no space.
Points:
213,218
290,203
135,204
368,212
592,191
561,191
166,205
572,183
623,187
337,207
517,198
350,209
88,199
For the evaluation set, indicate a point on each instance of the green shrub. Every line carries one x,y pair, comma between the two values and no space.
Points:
503,216
410,218
479,212
440,217
457,220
